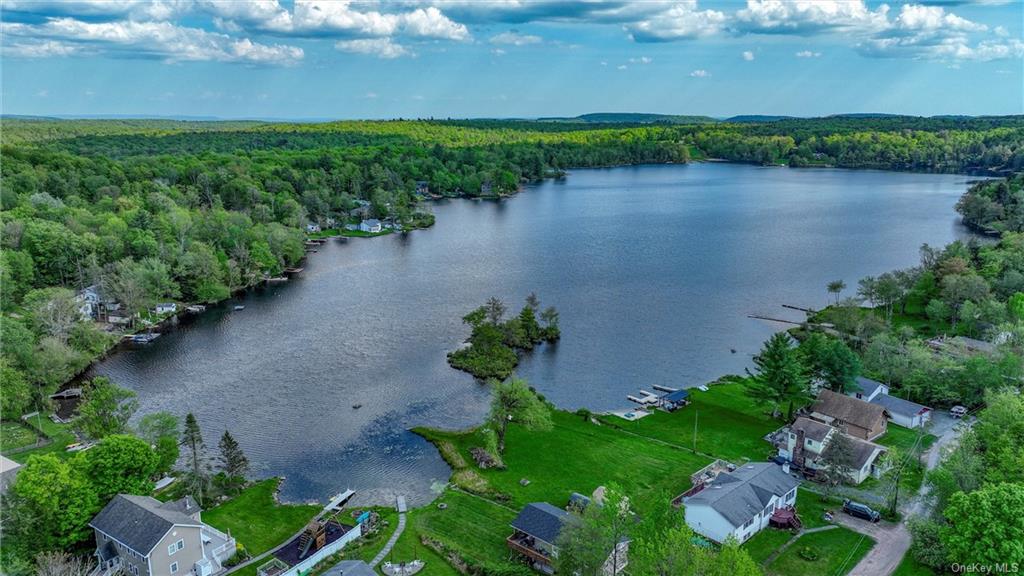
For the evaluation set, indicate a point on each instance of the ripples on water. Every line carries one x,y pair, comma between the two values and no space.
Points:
654,270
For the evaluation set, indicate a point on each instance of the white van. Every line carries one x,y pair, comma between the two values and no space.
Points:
958,411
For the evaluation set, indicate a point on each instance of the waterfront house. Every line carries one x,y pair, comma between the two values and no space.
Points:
742,502
902,412
804,442
535,538
312,228
166,308
372,225
141,536
674,400
422,188
856,417
92,304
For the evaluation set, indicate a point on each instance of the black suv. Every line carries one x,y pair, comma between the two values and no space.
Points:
860,511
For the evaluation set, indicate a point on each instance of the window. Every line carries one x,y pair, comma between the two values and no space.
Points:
172,548
748,523
790,495
180,544
174,568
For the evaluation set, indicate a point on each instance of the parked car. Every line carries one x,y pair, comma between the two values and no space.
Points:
861,511
958,411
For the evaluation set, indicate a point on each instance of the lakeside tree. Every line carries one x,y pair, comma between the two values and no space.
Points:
106,408
61,563
830,361
49,506
985,527
192,440
514,401
779,378
490,351
233,462
836,288
121,464
156,425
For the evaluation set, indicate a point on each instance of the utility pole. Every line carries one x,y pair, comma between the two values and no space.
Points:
695,415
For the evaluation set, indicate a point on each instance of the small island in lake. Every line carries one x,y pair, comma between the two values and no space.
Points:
491,350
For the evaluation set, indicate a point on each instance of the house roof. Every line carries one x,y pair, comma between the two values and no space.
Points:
863,451
6,465
371,222
867,386
899,406
677,396
541,520
848,409
814,430
139,522
741,494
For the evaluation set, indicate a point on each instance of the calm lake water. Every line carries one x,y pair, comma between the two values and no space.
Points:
654,270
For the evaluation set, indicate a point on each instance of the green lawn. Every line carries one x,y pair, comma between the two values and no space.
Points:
904,438
729,424
811,508
59,434
911,567
14,435
838,551
256,520
761,546
575,456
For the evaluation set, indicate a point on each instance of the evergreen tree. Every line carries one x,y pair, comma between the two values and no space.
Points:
192,440
780,376
232,460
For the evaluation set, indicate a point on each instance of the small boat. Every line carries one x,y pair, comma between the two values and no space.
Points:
195,308
278,279
239,308
144,338
357,406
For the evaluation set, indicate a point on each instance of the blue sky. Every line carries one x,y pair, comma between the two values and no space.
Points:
510,58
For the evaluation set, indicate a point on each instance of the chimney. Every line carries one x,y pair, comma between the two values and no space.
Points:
785,467
798,449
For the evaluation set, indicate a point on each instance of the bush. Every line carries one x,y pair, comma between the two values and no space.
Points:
240,555
807,553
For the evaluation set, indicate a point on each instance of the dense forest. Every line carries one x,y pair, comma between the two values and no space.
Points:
995,206
150,211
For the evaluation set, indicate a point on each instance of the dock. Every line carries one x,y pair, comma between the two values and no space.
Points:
67,394
293,270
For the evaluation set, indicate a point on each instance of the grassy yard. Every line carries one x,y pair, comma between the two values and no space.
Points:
59,434
811,508
256,520
838,552
14,435
729,424
473,527
574,456
765,542
904,438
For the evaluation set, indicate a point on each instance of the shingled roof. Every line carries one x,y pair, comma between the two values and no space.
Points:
541,520
848,409
139,522
899,406
741,494
812,429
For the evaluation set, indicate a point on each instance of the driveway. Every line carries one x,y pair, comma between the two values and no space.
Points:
891,542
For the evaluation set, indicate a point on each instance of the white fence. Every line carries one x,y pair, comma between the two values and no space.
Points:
326,551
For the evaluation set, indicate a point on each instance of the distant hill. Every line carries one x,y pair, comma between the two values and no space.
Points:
758,118
632,118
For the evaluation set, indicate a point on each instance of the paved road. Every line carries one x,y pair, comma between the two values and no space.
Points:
893,540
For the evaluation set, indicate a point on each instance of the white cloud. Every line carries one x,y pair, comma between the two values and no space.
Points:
622,66
683,20
379,47
335,17
146,40
951,49
807,54
915,17
748,55
641,60
39,49
43,93
498,52
136,9
700,74
809,16
514,38
603,63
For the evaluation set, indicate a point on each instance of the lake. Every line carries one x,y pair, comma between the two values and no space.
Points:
654,270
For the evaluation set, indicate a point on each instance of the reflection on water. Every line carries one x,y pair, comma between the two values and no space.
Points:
654,270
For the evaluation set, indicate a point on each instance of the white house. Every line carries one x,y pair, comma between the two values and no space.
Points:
899,411
311,228
89,300
740,503
805,441
166,308
372,225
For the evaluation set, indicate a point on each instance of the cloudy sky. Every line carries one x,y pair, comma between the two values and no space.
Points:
510,58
